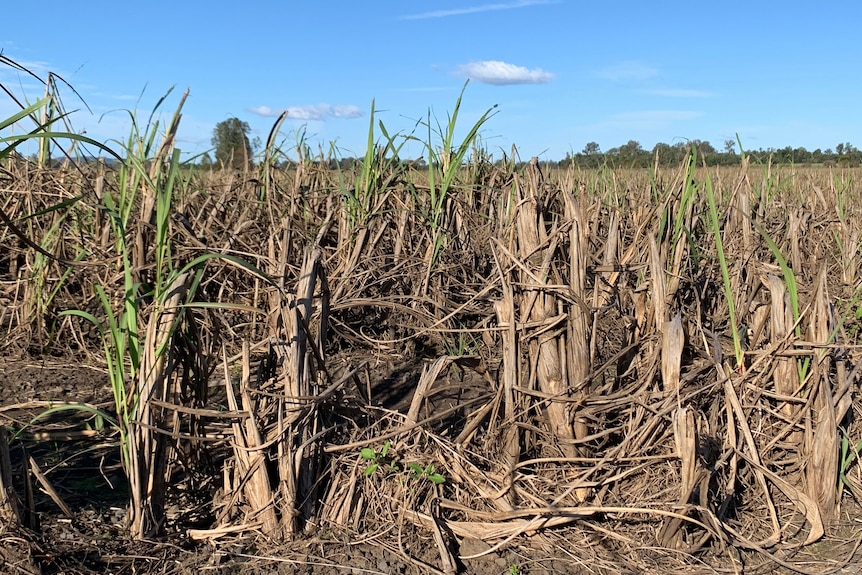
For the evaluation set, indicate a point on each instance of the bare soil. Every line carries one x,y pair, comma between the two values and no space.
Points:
82,465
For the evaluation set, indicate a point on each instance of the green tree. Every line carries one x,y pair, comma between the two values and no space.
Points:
632,149
632,154
232,147
817,156
704,148
591,149
663,152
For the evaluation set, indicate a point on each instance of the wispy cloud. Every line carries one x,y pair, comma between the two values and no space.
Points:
427,89
503,73
649,119
678,93
476,9
266,111
111,96
38,67
312,112
626,71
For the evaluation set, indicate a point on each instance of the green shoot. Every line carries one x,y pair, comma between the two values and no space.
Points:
417,472
715,226
849,455
447,160
383,458
379,167
377,458
792,290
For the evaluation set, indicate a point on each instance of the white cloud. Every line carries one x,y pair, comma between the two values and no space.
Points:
679,93
632,70
477,9
312,112
346,112
503,73
265,111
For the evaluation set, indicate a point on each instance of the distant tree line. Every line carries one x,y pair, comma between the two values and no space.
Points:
233,149
632,154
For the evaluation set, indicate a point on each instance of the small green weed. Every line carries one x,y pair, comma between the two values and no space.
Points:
378,458
465,344
418,473
385,460
849,454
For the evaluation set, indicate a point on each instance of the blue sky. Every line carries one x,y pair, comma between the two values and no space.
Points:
562,72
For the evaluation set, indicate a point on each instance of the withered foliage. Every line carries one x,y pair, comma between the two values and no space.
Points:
565,359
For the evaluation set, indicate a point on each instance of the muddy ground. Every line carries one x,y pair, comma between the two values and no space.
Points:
81,463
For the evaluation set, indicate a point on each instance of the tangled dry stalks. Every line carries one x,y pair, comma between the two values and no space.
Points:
565,359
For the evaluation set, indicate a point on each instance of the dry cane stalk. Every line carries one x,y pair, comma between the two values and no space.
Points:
579,349
296,421
850,243
659,295
785,374
9,506
538,306
797,228
673,341
739,211
429,376
823,443
738,423
250,460
685,436
510,369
